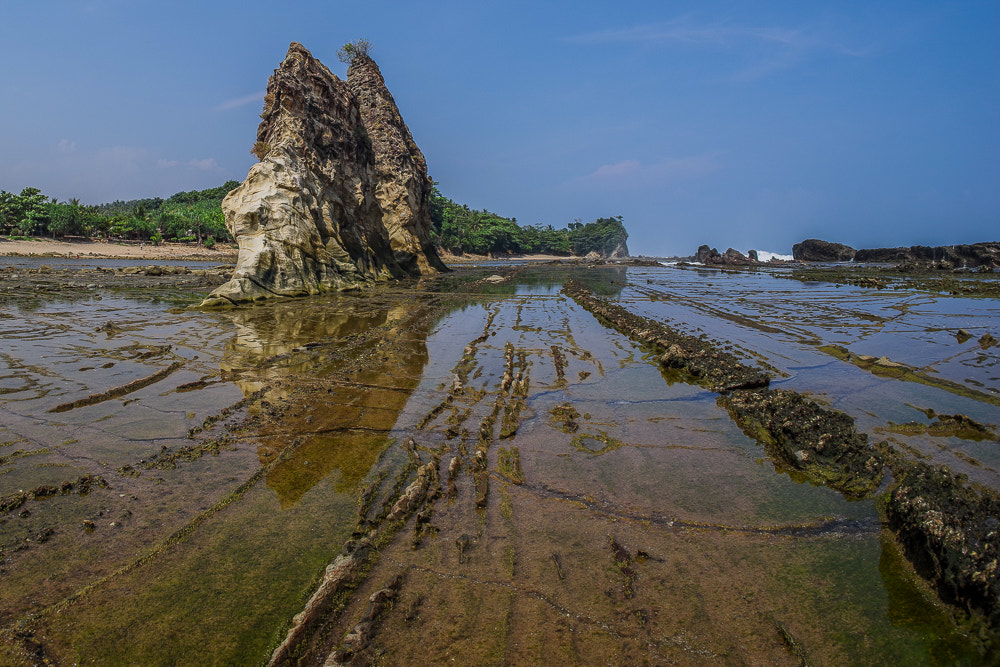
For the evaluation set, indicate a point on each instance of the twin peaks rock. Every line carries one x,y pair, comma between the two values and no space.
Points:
340,197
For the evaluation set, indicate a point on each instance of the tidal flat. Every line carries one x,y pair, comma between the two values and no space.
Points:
471,469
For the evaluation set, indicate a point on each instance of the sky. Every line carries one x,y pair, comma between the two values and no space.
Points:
734,124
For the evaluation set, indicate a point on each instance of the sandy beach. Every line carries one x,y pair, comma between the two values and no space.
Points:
223,252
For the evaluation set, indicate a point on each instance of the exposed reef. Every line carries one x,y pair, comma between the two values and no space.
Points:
715,369
327,207
951,533
822,443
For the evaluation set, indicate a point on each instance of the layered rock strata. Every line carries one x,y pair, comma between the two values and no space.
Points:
309,217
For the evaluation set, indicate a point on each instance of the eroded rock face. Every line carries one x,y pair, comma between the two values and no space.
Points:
308,218
402,187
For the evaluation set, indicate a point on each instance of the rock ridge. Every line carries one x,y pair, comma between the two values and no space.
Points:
973,255
308,218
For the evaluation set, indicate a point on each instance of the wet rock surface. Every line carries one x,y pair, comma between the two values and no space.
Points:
717,369
822,443
484,471
950,531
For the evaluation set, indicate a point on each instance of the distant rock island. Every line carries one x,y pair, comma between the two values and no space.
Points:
340,197
948,256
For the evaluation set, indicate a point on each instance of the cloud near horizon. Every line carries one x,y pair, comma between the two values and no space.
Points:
206,164
634,174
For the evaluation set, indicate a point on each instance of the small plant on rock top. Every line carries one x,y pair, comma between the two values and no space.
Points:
352,50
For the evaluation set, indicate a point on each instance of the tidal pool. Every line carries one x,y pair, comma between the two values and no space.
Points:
593,509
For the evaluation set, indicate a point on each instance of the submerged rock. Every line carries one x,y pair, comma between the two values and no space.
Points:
324,209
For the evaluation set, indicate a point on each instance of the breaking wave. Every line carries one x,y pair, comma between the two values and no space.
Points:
764,256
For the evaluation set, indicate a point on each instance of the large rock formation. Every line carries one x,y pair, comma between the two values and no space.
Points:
815,250
309,217
972,255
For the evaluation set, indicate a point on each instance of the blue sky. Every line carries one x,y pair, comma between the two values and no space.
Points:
750,125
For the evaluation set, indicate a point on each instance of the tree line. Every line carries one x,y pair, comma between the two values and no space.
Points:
184,216
459,229
197,216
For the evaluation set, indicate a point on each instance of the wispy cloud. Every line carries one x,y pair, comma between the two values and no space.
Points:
761,50
66,146
634,174
238,102
205,164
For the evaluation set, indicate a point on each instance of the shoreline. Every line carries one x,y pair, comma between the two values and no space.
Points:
35,247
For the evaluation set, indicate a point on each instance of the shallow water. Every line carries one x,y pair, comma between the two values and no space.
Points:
84,262
646,528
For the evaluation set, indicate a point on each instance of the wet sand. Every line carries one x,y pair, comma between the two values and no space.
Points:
457,470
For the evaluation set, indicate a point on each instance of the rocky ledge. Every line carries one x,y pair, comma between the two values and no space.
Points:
973,255
340,197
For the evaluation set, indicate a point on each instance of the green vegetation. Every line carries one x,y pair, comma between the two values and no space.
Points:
459,229
197,216
184,216
359,49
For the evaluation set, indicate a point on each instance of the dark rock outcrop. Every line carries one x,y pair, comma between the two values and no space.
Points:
972,255
731,257
815,250
402,186
951,533
309,217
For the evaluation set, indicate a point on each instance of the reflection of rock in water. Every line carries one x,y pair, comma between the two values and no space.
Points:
335,377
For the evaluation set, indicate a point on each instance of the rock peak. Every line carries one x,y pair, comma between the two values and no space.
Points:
404,189
328,207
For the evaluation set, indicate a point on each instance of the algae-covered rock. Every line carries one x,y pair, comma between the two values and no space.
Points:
950,531
821,443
